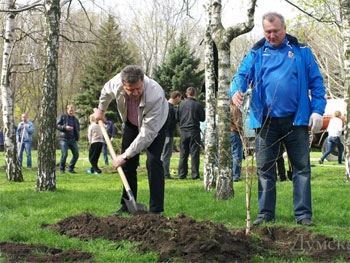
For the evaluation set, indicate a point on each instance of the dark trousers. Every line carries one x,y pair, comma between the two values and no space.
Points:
154,168
94,155
189,144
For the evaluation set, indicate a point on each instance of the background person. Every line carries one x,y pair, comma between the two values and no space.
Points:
110,129
68,134
24,132
236,141
191,113
288,95
175,98
143,109
95,138
335,130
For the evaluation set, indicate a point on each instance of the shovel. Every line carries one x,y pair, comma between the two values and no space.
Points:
131,204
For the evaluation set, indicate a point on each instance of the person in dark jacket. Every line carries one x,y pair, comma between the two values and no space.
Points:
190,114
68,134
174,99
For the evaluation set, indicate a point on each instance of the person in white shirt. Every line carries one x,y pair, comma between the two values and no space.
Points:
95,138
335,129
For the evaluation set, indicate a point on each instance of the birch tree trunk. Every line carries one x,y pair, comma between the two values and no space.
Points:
13,167
222,38
46,177
345,17
210,109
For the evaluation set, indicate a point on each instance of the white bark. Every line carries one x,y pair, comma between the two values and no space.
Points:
345,16
210,110
222,38
13,168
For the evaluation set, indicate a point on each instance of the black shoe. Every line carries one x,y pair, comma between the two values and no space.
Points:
196,178
168,177
305,222
72,172
237,179
121,211
320,161
261,220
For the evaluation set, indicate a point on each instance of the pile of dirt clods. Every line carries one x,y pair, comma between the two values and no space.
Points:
182,239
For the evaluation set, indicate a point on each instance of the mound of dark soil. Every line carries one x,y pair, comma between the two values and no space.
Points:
184,239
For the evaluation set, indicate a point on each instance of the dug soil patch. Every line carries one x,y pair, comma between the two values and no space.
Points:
183,239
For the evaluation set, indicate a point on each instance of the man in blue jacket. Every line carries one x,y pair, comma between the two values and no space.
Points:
288,95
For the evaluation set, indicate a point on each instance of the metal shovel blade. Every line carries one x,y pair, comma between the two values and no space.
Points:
132,206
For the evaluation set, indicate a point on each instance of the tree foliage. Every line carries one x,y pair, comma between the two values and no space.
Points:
108,57
320,29
180,69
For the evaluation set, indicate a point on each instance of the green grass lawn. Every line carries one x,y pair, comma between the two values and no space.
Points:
23,211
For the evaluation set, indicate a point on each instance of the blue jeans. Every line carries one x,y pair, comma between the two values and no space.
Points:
167,153
73,146
331,142
28,147
237,154
296,141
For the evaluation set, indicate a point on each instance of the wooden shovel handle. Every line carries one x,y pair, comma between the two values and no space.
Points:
114,156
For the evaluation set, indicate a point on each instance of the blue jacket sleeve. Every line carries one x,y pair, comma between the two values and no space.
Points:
316,86
30,128
244,75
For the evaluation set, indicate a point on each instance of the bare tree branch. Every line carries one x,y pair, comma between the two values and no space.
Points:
77,41
24,8
311,15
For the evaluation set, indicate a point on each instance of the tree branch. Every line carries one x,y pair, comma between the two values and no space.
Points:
311,15
77,41
24,8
